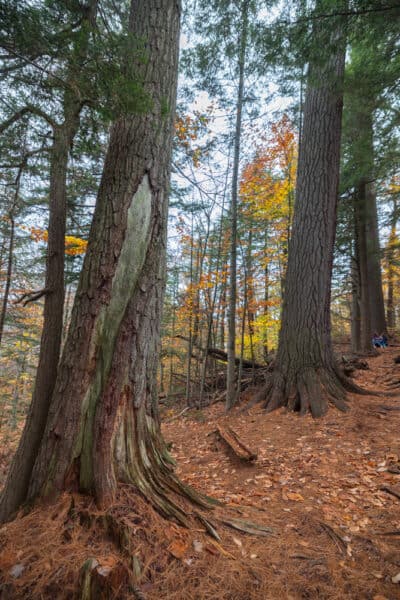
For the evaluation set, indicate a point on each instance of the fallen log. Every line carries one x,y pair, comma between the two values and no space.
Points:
231,438
223,356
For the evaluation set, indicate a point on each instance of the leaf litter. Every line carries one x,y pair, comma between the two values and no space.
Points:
318,491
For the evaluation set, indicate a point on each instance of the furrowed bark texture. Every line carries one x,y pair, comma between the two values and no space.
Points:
355,301
376,301
103,424
361,258
20,470
306,378
19,474
391,269
367,248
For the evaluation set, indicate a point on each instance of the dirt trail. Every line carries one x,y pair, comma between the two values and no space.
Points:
317,484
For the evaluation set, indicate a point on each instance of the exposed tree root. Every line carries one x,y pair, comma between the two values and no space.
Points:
150,470
119,524
248,527
311,390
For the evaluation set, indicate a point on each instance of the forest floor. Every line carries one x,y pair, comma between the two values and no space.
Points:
326,488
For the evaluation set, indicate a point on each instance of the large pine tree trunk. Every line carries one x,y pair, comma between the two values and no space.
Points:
306,377
376,301
361,248
103,423
371,302
355,304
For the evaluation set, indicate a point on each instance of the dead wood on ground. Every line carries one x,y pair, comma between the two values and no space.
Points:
235,443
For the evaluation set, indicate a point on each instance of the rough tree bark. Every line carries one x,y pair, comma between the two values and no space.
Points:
50,343
355,301
376,301
361,286
306,377
103,424
367,248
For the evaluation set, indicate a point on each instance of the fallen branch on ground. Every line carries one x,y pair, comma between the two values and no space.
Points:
234,442
390,491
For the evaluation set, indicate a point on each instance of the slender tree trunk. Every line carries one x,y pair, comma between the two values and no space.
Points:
8,276
371,301
390,256
250,298
355,302
10,258
231,367
67,312
222,311
188,392
103,423
306,377
369,214
242,333
266,294
376,301
211,306
16,394
361,258
50,344
196,299
174,299
3,250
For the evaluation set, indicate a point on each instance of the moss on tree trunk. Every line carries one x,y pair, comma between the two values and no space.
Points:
103,424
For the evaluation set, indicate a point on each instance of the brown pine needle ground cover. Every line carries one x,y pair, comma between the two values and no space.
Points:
324,487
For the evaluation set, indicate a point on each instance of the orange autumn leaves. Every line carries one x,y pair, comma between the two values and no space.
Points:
267,184
188,133
267,190
266,193
74,246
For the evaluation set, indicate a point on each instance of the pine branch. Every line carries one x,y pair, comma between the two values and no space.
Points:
345,13
35,110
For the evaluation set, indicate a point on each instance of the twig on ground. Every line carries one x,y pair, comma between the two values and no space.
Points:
178,415
335,537
390,491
